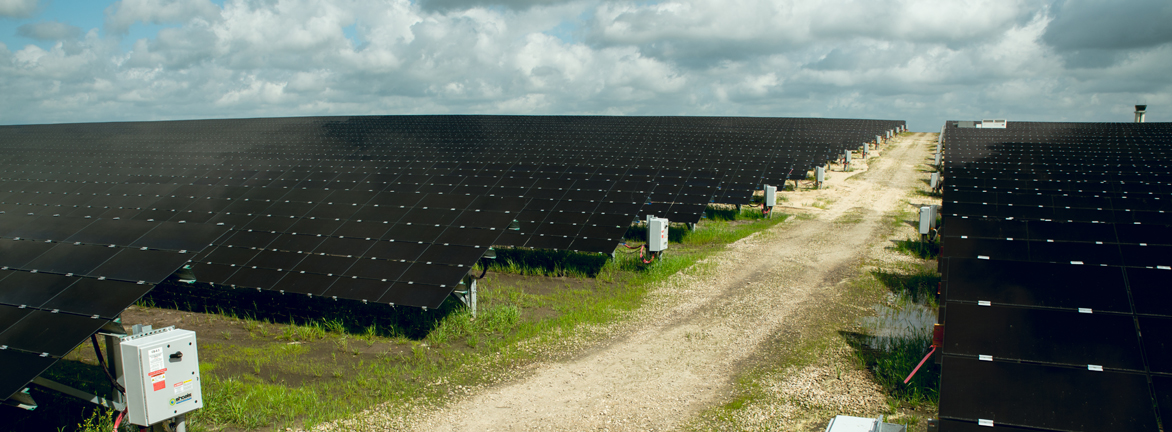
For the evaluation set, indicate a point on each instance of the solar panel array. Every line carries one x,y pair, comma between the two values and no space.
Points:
1056,258
393,210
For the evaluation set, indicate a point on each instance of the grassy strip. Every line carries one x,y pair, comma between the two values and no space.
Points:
260,374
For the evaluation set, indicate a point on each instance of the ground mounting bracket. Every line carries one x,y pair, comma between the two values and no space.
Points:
88,397
22,399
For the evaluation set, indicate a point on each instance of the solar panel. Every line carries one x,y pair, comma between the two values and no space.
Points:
1054,263
1021,394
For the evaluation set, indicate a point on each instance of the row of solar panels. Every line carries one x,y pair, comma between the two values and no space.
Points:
591,147
1054,292
393,210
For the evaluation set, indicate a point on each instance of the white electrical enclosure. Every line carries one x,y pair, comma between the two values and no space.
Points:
819,174
656,234
993,124
847,155
935,180
858,424
770,195
161,369
878,139
925,219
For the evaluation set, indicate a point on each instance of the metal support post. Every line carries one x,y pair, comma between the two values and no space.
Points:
180,423
114,362
472,292
468,296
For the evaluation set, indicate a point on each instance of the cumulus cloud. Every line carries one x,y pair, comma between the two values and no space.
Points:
17,8
49,31
918,60
124,13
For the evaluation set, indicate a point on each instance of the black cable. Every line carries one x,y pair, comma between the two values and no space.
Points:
102,362
484,265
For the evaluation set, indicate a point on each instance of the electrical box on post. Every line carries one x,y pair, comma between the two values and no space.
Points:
656,234
847,156
770,196
925,220
161,369
819,174
934,180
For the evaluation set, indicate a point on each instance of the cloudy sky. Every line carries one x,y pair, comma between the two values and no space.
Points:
924,61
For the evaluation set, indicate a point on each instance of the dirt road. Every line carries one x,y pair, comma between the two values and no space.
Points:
678,354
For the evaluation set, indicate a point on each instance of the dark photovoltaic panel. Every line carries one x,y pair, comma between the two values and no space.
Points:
1042,396
1055,261
378,209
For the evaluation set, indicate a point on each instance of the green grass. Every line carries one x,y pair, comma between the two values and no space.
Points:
891,364
102,420
919,248
917,285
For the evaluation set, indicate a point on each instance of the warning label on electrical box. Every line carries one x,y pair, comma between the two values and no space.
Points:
159,379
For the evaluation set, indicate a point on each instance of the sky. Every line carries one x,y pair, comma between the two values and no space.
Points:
924,61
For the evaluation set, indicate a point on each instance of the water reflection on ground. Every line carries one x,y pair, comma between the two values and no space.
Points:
900,322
